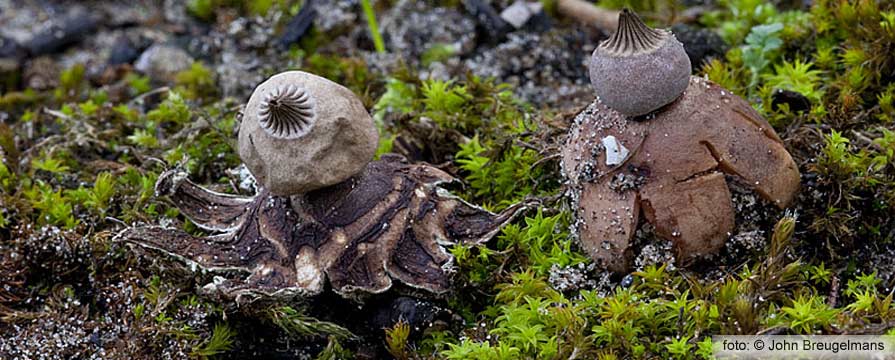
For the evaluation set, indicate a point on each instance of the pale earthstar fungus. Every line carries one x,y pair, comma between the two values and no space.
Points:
669,165
361,226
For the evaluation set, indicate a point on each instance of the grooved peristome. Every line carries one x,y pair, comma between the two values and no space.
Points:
287,111
633,36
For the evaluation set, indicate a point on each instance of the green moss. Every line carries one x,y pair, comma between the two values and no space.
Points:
202,9
443,97
49,164
806,314
334,351
221,341
666,314
96,199
294,321
473,106
542,243
138,84
502,181
399,97
144,137
262,7
71,81
350,72
196,83
866,175
545,242
7,178
495,161
396,339
437,53
738,17
53,208
206,10
796,76
174,109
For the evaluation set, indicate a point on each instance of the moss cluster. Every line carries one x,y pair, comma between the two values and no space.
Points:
207,9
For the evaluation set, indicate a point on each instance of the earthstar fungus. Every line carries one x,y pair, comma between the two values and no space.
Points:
671,167
361,231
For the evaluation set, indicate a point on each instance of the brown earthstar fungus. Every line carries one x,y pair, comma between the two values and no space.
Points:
639,69
388,220
671,167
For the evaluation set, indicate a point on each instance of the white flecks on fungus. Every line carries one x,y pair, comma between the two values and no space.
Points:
616,153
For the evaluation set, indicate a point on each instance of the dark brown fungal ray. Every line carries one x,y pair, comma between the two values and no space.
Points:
633,36
388,223
287,112
209,210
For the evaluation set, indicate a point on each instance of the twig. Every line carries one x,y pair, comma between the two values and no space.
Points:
49,140
148,93
156,160
864,139
57,114
117,221
586,12
528,146
545,159
834,291
10,316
